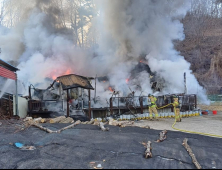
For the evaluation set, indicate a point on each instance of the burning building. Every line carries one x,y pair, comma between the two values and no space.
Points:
71,95
123,30
65,94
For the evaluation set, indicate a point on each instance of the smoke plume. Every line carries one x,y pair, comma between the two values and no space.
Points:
129,29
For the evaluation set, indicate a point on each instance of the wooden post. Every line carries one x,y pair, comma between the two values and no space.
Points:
16,96
82,98
67,102
141,104
89,104
95,89
111,105
195,96
30,96
9,106
185,83
171,106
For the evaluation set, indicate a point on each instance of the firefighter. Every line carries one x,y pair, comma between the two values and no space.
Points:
176,109
153,107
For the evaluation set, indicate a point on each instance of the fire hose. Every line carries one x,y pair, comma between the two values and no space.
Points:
186,131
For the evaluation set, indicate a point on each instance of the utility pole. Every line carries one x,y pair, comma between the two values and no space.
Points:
16,96
95,90
185,83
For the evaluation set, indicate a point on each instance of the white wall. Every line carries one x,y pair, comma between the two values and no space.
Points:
22,107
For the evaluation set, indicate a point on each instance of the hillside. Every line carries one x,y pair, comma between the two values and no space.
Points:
203,49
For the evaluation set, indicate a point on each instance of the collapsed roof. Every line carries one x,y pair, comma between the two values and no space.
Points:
75,81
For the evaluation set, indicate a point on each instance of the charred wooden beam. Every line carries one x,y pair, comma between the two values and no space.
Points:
111,105
70,126
162,136
148,153
141,104
89,104
68,98
101,125
190,152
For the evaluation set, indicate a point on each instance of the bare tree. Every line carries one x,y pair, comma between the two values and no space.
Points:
2,14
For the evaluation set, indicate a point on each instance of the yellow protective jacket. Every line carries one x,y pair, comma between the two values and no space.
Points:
176,104
153,102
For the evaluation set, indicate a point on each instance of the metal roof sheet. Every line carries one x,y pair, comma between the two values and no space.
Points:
75,81
8,66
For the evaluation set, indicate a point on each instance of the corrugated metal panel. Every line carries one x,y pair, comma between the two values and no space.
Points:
8,66
74,81
7,73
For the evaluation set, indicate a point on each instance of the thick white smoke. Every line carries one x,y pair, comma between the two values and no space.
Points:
129,29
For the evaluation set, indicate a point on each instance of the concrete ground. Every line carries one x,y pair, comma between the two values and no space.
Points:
205,124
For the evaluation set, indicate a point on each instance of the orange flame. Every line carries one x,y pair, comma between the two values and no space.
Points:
68,72
144,62
127,81
55,73
110,89
54,77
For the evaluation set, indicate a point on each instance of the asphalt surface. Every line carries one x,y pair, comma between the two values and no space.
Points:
86,146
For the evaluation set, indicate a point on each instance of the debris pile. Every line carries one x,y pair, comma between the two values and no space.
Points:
120,123
29,121
61,119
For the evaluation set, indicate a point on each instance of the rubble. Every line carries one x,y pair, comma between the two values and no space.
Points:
101,125
67,120
23,147
96,165
28,119
120,123
59,131
148,153
58,119
28,148
162,136
37,120
61,119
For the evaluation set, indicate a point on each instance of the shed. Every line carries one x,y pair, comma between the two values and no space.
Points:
8,71
74,81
